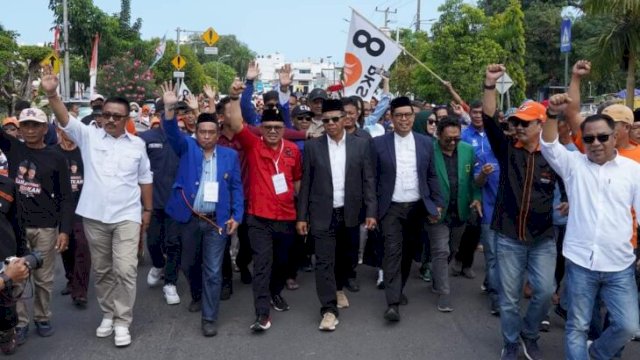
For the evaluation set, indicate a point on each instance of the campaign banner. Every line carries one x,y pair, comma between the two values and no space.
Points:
369,53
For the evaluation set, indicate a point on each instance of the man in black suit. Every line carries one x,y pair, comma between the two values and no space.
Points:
408,194
330,208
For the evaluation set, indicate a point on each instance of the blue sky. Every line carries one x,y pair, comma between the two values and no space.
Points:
296,28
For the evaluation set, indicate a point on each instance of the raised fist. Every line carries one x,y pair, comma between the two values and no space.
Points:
494,72
581,68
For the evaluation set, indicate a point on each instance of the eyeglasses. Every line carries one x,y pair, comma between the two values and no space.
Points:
451,139
590,139
523,123
433,122
402,115
335,119
304,118
270,128
115,117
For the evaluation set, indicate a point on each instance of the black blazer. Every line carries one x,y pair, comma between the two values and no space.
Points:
315,199
385,157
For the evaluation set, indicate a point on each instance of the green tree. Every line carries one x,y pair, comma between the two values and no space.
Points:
195,77
221,75
239,53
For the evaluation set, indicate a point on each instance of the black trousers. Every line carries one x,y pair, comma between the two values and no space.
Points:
227,269
400,227
163,238
333,249
468,245
244,256
271,242
297,256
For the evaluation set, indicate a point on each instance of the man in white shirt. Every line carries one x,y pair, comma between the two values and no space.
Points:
117,175
602,187
336,196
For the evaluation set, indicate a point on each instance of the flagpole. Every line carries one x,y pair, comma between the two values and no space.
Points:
400,46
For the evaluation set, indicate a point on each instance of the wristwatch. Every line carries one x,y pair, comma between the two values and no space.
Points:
7,280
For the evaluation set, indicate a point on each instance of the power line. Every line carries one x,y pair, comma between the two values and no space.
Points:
386,15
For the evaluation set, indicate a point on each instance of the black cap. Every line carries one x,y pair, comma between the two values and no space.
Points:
301,110
332,105
317,93
182,105
159,105
270,95
399,102
207,117
271,114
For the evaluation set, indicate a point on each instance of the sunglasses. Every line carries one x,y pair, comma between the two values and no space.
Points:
304,118
270,128
590,139
451,139
523,123
335,119
433,122
115,117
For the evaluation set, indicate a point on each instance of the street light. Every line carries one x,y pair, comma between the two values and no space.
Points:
218,69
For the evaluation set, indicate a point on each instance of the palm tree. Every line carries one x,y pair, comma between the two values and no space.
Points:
620,39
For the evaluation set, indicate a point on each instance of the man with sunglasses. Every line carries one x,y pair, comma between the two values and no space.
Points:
333,224
522,219
600,261
117,177
408,193
274,179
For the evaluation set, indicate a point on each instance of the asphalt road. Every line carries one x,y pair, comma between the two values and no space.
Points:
160,331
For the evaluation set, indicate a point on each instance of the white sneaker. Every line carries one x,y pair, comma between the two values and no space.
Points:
380,280
105,329
155,276
122,338
171,294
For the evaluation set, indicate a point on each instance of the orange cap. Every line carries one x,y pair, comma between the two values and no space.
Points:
11,121
530,111
155,120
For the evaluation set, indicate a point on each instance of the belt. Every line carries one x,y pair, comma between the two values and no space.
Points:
202,216
405,204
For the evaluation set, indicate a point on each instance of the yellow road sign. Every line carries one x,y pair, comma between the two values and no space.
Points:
53,60
179,62
210,36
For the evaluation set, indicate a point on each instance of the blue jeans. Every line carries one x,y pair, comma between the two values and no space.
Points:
515,257
619,293
488,238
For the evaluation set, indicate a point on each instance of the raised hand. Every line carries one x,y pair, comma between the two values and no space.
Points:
192,101
208,91
493,73
286,76
581,68
457,108
253,70
558,103
237,87
168,91
50,82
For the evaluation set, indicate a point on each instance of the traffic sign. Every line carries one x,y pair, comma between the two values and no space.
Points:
565,36
504,83
179,62
211,50
210,36
52,60
178,74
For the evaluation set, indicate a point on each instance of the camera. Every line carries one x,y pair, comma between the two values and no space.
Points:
33,261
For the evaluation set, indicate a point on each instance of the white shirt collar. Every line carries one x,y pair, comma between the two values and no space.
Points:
341,141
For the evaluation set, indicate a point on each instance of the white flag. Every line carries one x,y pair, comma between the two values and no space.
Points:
183,91
369,51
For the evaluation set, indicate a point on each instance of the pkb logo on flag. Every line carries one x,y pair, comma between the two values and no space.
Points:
368,51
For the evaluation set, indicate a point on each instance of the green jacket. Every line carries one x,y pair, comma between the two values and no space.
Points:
467,190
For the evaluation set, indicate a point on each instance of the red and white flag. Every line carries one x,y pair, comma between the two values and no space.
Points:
93,67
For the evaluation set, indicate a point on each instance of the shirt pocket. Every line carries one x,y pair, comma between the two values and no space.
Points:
128,162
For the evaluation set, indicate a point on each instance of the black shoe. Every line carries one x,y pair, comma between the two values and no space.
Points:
245,276
279,303
21,334
209,328
8,343
80,302
44,328
262,323
66,290
308,268
495,308
545,325
560,311
404,300
392,313
352,285
226,292
531,349
195,306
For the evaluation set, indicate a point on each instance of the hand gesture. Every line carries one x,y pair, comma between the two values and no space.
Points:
208,91
558,103
494,72
232,226
457,108
192,102
50,82
237,87
17,270
477,206
286,76
168,91
563,208
581,68
302,227
253,71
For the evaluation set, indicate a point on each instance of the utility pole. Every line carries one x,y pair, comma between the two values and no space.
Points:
65,19
386,15
418,17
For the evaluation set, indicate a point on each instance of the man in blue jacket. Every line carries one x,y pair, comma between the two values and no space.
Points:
207,202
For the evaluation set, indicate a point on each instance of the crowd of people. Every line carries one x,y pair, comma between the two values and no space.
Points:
323,183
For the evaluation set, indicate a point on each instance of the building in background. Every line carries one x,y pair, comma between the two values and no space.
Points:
307,74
